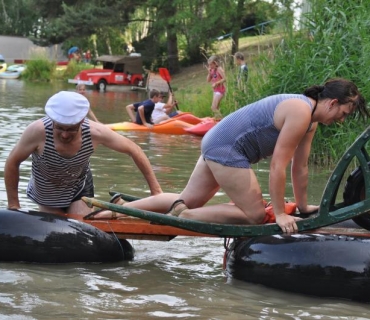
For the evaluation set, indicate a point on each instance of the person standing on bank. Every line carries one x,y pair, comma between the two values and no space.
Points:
144,110
216,76
281,126
242,76
61,144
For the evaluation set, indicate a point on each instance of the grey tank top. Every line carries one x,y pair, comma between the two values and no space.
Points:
56,180
247,135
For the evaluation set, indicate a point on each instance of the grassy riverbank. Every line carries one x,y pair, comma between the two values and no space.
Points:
275,66
194,93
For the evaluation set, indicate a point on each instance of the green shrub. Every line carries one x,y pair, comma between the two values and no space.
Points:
333,42
39,68
74,68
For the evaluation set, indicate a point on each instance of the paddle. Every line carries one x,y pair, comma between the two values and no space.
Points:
165,75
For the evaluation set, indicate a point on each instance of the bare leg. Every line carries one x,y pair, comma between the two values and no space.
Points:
161,118
77,207
242,187
216,104
201,187
158,203
51,209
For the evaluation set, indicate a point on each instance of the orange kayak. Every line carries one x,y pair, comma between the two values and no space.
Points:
133,228
171,126
202,128
190,118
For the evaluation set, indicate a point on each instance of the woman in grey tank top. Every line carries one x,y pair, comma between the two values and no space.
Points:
281,126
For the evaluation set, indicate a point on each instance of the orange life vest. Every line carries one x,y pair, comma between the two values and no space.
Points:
290,208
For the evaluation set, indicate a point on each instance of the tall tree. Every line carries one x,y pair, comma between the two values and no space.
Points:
17,17
237,16
163,29
61,20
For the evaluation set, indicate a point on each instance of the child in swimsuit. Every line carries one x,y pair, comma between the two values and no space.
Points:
216,76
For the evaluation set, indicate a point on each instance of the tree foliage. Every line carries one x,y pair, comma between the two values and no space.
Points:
165,32
17,17
333,42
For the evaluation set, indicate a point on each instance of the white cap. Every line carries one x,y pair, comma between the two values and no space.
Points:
66,107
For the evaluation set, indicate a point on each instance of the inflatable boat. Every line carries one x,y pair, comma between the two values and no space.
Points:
32,236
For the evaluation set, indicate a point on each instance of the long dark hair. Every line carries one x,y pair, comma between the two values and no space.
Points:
343,90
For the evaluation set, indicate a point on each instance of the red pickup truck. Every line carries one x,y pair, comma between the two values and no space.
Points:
117,70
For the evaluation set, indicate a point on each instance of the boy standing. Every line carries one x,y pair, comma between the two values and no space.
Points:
242,76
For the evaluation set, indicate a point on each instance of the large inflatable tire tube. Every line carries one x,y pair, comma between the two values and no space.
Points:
39,237
318,265
354,191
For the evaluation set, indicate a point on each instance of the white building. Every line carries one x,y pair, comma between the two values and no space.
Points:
18,49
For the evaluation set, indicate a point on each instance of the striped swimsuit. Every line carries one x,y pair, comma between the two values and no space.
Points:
55,181
247,135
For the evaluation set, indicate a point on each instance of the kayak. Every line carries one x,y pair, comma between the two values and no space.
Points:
183,123
10,74
2,66
202,128
190,118
171,126
17,67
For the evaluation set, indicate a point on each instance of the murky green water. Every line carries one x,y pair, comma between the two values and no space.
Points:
182,278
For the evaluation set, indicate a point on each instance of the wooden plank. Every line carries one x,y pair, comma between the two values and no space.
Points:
133,228
339,213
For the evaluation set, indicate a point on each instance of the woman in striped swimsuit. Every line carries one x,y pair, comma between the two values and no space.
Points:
281,127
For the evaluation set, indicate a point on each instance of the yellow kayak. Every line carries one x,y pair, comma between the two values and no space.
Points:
3,66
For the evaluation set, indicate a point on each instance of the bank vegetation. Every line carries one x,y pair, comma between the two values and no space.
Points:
330,40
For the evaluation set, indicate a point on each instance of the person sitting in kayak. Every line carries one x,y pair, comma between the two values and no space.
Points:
281,126
143,110
164,111
61,144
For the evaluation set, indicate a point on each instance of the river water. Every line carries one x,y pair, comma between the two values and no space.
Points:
180,279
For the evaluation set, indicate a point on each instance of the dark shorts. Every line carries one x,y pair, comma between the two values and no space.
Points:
88,190
172,114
